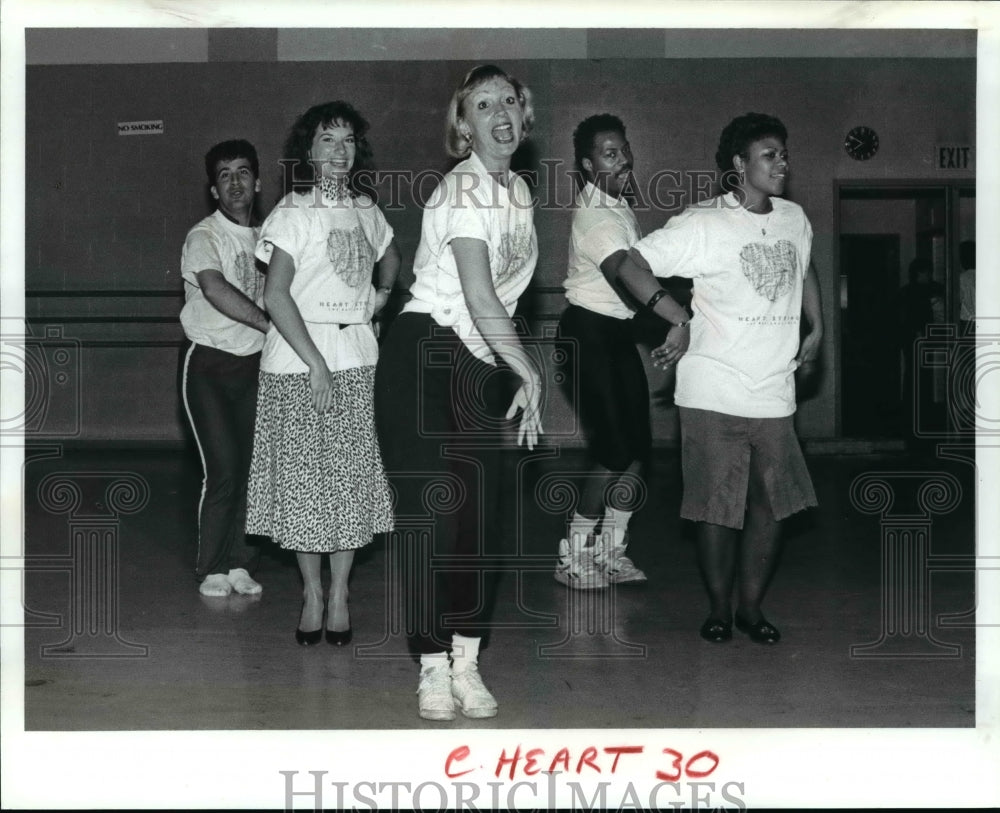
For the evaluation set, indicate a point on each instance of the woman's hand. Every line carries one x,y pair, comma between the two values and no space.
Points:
322,387
379,301
809,354
673,347
812,312
528,399
809,348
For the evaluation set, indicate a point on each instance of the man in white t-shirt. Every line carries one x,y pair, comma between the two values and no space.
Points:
223,318
607,383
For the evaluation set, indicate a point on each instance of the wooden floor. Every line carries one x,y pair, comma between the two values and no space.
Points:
872,599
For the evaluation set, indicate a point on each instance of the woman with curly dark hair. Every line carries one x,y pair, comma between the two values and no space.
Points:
317,483
748,253
299,162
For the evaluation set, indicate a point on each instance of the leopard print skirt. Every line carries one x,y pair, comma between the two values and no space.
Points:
317,483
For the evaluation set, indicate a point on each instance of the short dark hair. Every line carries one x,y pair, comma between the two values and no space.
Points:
738,135
299,171
230,151
587,130
967,254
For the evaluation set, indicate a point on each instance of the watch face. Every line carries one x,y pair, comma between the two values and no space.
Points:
861,143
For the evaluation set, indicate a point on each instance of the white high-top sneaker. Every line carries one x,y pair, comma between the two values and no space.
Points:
617,567
576,567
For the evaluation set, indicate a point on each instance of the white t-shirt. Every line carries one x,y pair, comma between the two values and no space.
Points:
334,245
748,270
601,226
470,203
218,243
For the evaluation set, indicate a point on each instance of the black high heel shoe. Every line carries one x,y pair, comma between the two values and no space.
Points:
303,638
339,637
308,638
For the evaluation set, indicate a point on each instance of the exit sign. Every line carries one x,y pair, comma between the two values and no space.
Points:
954,156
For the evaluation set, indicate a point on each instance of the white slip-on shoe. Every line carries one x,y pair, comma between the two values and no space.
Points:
215,585
242,583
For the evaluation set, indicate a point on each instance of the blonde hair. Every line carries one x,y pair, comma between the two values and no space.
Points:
456,144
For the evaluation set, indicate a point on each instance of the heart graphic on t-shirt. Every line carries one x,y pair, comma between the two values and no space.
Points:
251,281
770,269
514,248
350,255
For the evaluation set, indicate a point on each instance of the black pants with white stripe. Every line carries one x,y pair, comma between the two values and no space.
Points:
220,396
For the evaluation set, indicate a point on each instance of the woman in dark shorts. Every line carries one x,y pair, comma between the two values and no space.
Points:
748,252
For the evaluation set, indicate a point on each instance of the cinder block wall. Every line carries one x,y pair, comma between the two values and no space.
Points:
106,214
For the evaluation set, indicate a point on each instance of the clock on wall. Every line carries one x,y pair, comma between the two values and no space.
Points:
861,143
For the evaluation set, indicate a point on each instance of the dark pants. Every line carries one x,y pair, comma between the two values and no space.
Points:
220,396
439,415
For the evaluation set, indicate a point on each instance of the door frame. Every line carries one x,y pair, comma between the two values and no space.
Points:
951,189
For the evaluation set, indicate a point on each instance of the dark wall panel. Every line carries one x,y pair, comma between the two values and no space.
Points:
107,212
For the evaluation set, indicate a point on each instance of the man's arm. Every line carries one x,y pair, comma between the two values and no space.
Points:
621,268
639,281
229,300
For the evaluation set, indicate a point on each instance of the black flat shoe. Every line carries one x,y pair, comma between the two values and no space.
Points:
341,638
760,632
308,638
716,631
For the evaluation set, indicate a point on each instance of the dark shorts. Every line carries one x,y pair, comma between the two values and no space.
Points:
607,387
719,454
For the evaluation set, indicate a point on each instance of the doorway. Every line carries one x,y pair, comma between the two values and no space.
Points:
898,265
871,401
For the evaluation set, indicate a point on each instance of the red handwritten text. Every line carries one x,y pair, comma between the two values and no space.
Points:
590,759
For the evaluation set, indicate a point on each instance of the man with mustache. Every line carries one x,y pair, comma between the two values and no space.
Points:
609,389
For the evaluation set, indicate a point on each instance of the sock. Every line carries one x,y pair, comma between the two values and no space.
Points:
432,660
615,522
580,527
464,652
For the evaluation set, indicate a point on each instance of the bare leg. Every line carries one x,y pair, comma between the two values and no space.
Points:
312,591
717,559
338,619
758,553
